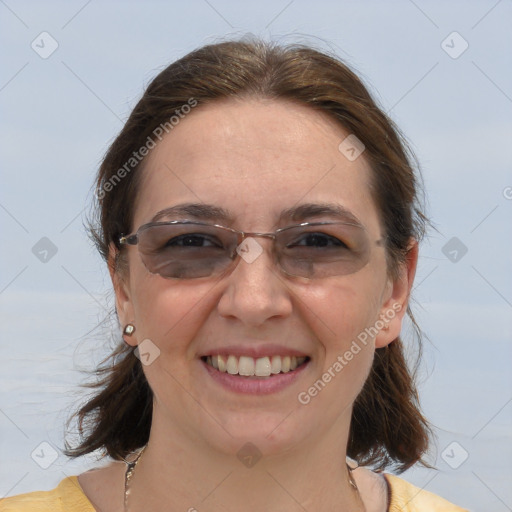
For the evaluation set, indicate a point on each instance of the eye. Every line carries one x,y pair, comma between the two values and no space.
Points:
193,240
318,240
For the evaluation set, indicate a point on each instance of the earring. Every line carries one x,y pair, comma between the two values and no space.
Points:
351,480
129,329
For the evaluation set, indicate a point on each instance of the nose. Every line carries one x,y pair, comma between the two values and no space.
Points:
255,291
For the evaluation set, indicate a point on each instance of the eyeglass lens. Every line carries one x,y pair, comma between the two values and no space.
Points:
189,250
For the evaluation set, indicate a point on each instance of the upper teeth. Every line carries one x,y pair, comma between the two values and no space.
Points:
261,367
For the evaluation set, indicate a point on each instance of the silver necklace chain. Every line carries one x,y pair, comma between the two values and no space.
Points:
130,469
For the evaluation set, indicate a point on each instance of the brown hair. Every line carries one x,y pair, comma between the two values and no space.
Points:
387,426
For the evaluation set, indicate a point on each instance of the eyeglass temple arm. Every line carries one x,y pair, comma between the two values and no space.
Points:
129,240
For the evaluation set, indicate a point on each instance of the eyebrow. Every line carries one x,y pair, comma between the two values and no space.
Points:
307,211
198,211
300,213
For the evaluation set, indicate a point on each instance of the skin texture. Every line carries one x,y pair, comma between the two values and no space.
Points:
254,158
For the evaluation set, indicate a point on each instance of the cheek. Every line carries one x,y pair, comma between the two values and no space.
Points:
342,319
170,314
342,316
341,309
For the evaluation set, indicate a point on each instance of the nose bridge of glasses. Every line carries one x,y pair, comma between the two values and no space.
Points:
244,236
258,235
249,249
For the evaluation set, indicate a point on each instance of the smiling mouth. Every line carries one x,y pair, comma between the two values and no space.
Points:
246,366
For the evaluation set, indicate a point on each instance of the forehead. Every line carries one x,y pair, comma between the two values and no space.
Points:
254,158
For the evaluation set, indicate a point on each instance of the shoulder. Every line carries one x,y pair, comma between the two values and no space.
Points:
405,497
66,497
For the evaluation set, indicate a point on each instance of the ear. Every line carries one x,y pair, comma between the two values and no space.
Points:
397,299
124,305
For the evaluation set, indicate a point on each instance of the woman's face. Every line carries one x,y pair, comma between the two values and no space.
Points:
255,159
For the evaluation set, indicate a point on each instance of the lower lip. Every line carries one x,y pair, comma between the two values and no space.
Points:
255,385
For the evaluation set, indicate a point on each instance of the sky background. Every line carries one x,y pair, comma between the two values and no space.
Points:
451,94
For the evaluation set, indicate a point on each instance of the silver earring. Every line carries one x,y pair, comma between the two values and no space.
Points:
129,329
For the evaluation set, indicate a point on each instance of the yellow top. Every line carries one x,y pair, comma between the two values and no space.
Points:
69,497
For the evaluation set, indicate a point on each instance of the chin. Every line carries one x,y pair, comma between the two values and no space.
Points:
264,432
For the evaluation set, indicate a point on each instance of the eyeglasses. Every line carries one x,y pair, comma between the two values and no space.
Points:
190,250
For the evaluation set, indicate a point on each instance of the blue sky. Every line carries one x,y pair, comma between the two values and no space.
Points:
443,72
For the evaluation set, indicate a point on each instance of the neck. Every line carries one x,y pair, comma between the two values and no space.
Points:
178,473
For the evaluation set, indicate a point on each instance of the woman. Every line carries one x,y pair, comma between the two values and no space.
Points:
259,217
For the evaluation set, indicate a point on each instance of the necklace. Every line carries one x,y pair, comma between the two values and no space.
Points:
130,469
